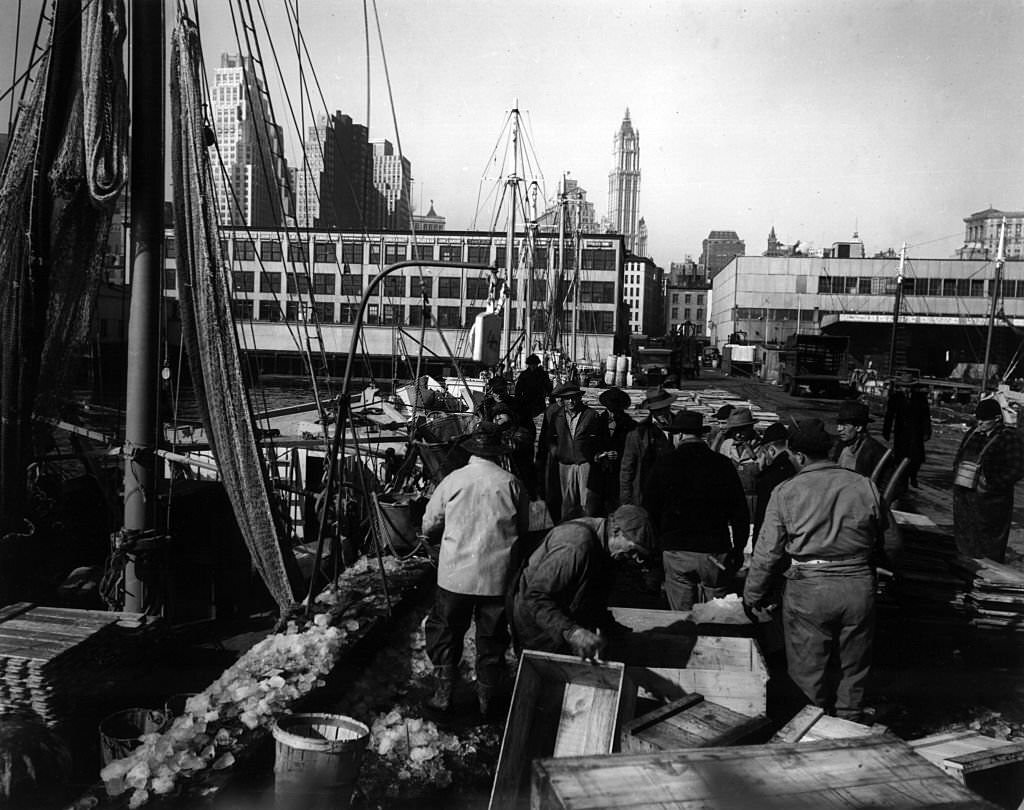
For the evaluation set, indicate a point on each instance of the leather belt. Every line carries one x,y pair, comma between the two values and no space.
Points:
833,560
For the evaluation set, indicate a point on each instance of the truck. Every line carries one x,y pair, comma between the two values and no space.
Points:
657,359
816,363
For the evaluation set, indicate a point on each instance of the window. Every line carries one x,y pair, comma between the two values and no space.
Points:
675,313
597,292
449,288
416,315
270,250
449,317
352,252
476,289
270,282
700,314
324,311
245,250
420,285
347,313
540,289
224,248
977,287
700,298
864,285
374,253
479,254
242,310
393,314
298,283
597,259
169,278
324,253
323,284
270,311
394,253
471,313
170,248
675,298
243,281
372,314
297,252
824,285
499,256
600,322
423,253
351,285
540,258
948,287
686,298
291,311
452,254
394,286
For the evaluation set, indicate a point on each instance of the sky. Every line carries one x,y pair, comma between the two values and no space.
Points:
894,118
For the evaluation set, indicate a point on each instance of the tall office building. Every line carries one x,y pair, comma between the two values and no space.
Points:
254,186
981,235
718,249
392,177
579,211
624,184
334,188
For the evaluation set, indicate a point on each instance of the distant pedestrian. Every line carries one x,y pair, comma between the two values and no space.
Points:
989,462
478,512
908,421
613,428
856,449
700,515
823,528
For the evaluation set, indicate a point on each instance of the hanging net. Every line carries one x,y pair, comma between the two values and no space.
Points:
208,329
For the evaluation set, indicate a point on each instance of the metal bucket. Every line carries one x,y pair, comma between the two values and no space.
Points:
400,521
317,760
120,731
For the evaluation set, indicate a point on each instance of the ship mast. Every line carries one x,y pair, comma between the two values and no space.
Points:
996,284
512,182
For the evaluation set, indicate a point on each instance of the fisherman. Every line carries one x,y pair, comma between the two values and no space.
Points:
699,512
613,428
988,463
829,522
856,449
559,602
776,466
478,512
573,440
645,445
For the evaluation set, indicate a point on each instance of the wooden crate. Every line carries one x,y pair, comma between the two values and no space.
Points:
869,772
690,722
561,706
811,724
962,753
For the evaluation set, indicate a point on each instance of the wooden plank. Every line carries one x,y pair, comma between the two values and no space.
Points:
811,724
868,772
963,752
743,692
587,721
799,724
690,722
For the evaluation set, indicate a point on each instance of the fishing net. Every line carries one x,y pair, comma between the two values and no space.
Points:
208,329
61,179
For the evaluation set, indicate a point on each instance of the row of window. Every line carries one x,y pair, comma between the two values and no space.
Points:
687,298
687,314
935,287
326,312
352,252
398,286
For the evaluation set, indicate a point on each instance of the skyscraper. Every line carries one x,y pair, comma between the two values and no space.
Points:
392,177
334,189
256,190
624,184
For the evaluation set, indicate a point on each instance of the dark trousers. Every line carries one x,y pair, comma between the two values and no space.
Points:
688,571
830,617
448,622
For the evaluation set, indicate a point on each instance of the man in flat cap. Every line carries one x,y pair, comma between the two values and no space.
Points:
988,463
856,448
644,445
478,512
560,600
613,428
700,515
827,524
775,467
573,441
533,385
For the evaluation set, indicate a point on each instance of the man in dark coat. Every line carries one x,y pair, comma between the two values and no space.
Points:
613,428
856,449
532,388
573,440
988,464
908,421
560,599
700,514
776,467
645,445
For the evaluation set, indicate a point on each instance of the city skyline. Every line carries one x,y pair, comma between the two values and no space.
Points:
896,119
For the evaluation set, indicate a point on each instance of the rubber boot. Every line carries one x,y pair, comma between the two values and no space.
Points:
444,689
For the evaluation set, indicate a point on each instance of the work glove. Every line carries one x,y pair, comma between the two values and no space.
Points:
586,644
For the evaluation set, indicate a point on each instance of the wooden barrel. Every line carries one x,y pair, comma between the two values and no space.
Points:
317,760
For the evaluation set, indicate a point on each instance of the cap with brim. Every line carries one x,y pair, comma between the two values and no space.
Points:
724,411
658,399
811,437
740,418
566,390
988,409
635,524
690,422
614,398
486,441
775,432
853,412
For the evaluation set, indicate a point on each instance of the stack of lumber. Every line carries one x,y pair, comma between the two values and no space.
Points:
996,596
49,655
927,581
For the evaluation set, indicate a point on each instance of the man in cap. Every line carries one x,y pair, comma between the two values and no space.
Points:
699,512
738,442
559,602
573,442
775,467
908,421
478,512
988,463
829,523
532,388
644,445
856,449
613,428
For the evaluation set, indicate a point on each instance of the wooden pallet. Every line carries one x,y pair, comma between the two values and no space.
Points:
561,706
869,772
690,722
811,724
961,753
